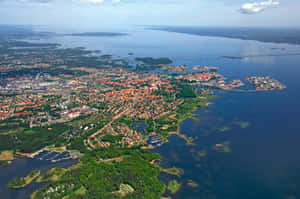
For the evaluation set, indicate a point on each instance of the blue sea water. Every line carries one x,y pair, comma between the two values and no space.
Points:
264,162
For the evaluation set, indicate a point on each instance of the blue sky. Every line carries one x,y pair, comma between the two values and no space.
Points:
151,12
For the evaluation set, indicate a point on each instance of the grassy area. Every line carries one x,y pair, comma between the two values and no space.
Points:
52,175
81,191
173,171
6,158
56,173
29,131
189,106
125,189
189,140
173,186
23,181
6,155
57,149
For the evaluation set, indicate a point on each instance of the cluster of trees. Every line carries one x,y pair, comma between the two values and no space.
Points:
100,180
16,182
40,137
112,138
186,91
6,142
23,181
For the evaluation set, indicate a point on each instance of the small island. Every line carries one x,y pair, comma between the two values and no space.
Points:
192,184
23,181
242,124
173,171
173,186
223,147
231,57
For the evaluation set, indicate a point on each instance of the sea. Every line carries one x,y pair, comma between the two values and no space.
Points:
261,130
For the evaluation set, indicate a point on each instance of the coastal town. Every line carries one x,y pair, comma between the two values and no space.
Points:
68,103
155,99
44,98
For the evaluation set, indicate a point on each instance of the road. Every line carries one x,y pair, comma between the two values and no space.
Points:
103,128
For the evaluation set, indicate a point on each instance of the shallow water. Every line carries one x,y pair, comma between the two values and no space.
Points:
21,167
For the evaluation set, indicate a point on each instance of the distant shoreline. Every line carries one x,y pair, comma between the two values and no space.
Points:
266,35
97,34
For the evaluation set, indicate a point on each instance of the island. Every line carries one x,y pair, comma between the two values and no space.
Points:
173,186
192,184
223,147
23,181
232,57
265,83
173,171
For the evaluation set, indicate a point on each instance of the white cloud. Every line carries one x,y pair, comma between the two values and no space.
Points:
257,7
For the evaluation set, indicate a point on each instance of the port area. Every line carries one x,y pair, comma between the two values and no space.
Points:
47,154
220,83
260,83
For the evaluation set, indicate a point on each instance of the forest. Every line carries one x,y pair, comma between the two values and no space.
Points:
96,179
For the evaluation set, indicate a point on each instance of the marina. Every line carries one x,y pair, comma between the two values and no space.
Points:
53,156
154,140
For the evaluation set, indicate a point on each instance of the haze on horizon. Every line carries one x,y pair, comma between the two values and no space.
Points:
87,13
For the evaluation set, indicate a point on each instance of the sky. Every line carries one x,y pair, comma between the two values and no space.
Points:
107,13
